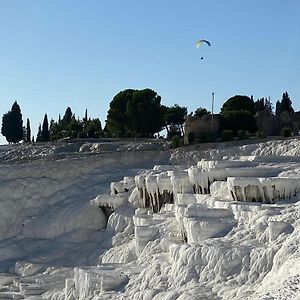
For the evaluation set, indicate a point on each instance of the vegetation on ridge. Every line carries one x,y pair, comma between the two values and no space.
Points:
139,113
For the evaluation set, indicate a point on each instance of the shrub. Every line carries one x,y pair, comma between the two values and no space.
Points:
241,135
261,134
128,134
99,134
82,135
191,138
227,135
286,132
205,137
210,137
202,137
173,132
248,134
175,142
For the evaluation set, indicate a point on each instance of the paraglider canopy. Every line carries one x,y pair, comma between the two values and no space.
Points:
200,42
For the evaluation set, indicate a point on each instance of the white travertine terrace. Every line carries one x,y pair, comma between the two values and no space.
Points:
224,228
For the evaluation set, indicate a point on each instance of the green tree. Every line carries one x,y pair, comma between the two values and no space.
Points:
94,128
68,126
56,129
73,129
12,124
278,109
264,105
28,131
137,111
85,116
268,107
284,105
238,120
200,112
45,135
68,116
175,115
239,103
116,117
39,134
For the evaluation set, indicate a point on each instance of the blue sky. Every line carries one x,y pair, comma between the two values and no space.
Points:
59,53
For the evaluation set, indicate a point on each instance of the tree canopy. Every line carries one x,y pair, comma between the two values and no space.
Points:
175,117
71,127
28,131
284,105
238,114
264,105
138,111
12,124
200,112
238,120
45,135
239,103
175,114
68,116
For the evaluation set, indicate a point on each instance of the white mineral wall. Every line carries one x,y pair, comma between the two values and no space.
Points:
222,164
266,190
121,219
202,179
181,182
108,200
151,185
201,210
202,228
45,205
122,186
164,183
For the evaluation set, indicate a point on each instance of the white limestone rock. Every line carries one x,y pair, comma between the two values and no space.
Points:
278,227
265,190
112,201
121,219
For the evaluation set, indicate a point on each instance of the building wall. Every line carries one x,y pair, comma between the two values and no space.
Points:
201,125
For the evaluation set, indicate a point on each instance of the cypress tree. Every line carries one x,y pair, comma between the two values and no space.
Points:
12,124
68,116
85,116
45,135
28,131
39,134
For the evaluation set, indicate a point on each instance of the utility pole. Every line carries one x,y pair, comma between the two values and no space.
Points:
212,112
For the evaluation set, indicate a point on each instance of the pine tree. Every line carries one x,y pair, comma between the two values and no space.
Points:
278,109
45,135
286,103
12,124
28,131
268,106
